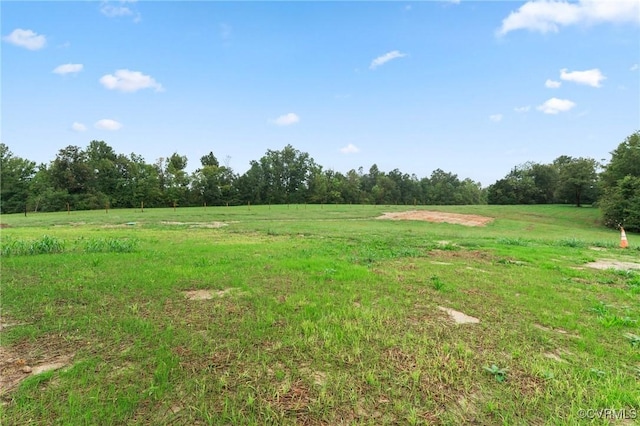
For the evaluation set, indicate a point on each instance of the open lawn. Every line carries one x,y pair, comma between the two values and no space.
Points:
318,315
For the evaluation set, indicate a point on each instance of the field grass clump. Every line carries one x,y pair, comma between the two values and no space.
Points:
507,241
108,245
22,247
572,242
437,283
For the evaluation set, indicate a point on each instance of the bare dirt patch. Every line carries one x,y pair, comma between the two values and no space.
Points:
22,361
4,225
613,264
553,356
459,317
10,324
205,294
292,398
439,217
211,225
556,330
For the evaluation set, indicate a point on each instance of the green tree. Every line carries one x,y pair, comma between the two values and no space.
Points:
442,187
470,192
620,183
517,187
177,179
209,160
577,179
625,161
138,182
621,204
318,186
71,172
212,184
43,196
545,179
408,187
280,177
15,176
102,161
251,186
351,188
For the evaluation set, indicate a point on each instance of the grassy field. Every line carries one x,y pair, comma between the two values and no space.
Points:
318,315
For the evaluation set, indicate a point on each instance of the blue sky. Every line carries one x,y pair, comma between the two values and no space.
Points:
471,87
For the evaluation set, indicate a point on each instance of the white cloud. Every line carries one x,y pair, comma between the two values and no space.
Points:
67,69
555,105
634,67
130,81
350,149
495,118
108,124
548,16
522,109
287,119
111,10
589,77
380,60
26,38
551,84
78,127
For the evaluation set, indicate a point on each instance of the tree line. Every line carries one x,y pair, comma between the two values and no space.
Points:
97,177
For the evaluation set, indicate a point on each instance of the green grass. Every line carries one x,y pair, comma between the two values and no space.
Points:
319,315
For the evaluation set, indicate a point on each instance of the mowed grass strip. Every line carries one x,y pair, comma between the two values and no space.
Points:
319,315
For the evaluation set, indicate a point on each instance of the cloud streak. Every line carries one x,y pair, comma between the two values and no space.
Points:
551,84
287,119
108,124
111,10
350,149
381,60
68,69
78,127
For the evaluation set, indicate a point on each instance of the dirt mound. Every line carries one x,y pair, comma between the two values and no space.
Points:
439,217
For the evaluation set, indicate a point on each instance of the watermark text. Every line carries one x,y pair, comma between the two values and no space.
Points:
608,413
